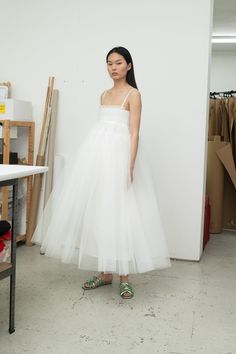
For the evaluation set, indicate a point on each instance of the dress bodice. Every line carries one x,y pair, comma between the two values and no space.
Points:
114,114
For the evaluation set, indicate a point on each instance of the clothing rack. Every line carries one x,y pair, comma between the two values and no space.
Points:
223,94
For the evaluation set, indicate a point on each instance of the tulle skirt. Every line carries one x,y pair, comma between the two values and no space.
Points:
95,217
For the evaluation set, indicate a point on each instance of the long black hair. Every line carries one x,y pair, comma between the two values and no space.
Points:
130,78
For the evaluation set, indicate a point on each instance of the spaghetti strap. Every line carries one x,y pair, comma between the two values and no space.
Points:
103,95
127,97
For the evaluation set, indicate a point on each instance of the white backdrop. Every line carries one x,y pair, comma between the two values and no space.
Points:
223,76
169,42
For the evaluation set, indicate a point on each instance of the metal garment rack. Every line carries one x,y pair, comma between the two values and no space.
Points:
9,269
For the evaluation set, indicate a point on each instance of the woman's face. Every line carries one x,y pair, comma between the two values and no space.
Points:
117,66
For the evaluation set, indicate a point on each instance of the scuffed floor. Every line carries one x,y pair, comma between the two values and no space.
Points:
188,308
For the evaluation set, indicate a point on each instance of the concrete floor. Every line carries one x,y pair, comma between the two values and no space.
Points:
188,308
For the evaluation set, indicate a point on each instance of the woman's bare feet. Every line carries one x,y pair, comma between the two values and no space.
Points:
106,277
124,278
126,290
97,281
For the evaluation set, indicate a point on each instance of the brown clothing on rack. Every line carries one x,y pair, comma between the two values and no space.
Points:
214,118
231,107
218,119
211,125
224,122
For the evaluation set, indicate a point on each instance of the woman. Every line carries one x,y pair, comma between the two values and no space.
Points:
113,226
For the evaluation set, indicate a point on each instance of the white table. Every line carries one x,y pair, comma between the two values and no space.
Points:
8,172
9,175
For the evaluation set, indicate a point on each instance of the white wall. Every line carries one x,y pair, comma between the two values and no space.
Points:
70,39
223,73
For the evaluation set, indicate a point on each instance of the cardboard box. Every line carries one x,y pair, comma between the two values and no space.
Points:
15,109
229,204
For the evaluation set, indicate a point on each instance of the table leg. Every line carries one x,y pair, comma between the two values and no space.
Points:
13,259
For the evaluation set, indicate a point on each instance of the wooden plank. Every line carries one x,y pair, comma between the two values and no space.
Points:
34,202
6,157
30,178
39,162
43,135
17,123
20,238
5,270
51,145
4,266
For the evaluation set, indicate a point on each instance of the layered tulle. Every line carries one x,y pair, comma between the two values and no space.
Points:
95,217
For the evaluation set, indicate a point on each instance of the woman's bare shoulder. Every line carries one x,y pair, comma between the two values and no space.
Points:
135,94
106,91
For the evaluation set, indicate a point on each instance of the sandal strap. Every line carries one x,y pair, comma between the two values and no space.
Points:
94,282
126,288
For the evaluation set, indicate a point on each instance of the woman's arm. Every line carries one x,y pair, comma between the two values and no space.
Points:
135,105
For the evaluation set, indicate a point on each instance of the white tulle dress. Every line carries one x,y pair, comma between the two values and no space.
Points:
95,217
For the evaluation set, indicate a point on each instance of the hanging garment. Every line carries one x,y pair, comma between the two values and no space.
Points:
231,108
95,217
224,122
218,119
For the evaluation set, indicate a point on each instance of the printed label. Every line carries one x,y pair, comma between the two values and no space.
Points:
2,108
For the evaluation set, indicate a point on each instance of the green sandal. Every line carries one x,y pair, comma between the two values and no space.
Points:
126,290
95,282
